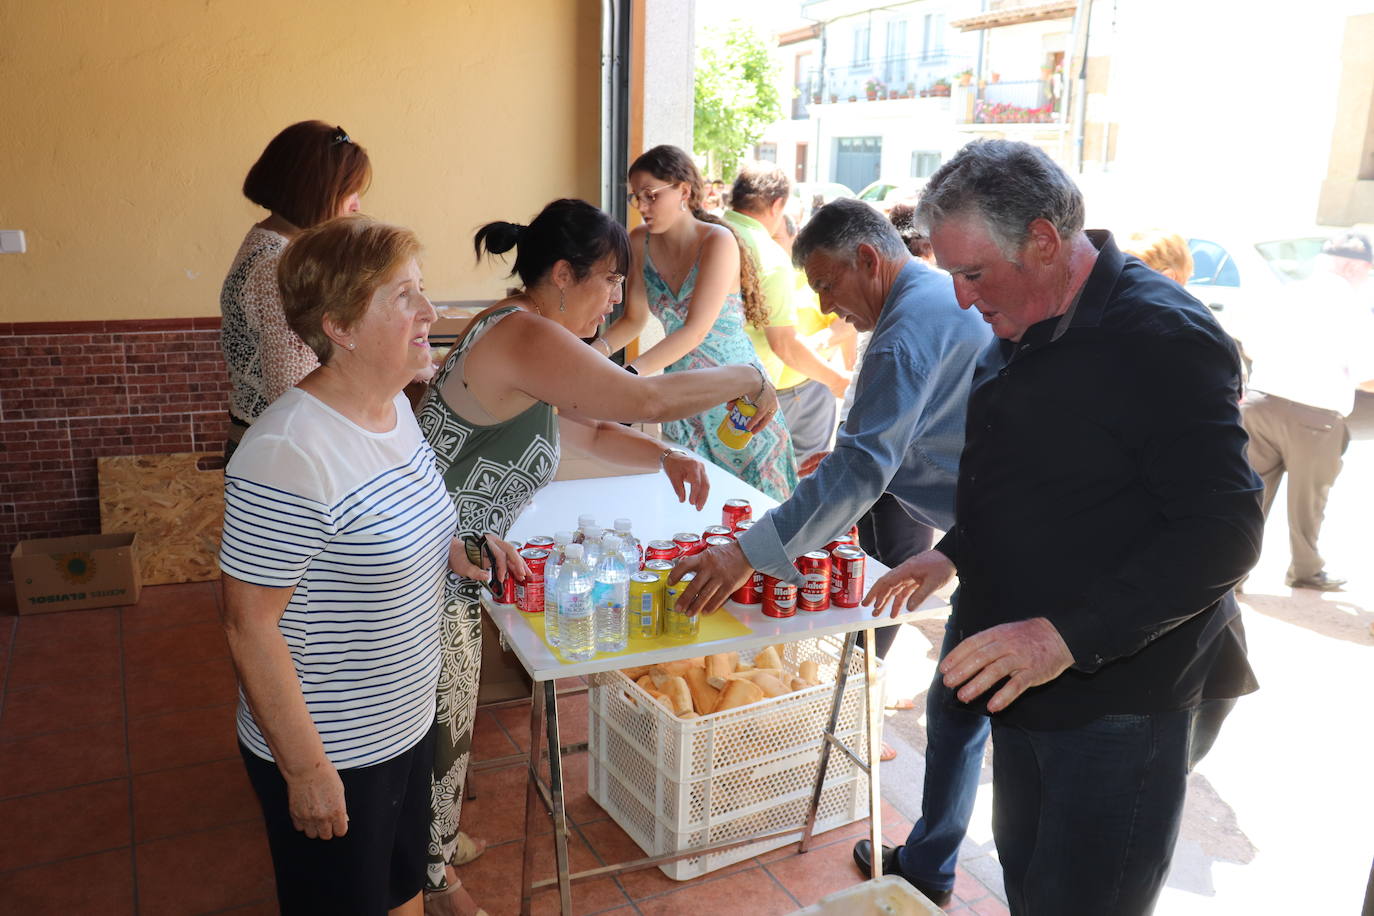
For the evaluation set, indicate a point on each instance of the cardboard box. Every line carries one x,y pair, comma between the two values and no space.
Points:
66,574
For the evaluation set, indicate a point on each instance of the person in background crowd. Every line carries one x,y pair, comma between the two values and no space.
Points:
337,658
714,202
902,438
1086,471
310,172
1317,349
1164,252
807,386
517,384
694,274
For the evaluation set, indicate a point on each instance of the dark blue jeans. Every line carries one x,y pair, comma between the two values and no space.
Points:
955,739
1085,818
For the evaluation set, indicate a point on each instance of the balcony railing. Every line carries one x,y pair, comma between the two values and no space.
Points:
878,78
1016,102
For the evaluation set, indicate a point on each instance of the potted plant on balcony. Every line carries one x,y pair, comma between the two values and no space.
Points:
910,91
940,88
965,77
872,86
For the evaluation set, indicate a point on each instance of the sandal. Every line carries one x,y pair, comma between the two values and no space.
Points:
452,900
888,753
467,849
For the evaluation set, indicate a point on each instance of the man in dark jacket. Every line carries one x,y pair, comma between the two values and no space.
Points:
1104,512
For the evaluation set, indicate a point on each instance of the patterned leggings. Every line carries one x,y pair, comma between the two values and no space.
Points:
459,669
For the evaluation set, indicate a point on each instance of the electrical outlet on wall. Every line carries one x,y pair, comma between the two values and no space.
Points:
12,241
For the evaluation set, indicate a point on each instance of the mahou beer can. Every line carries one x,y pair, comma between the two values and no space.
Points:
688,543
660,568
717,531
530,593
779,598
540,542
744,524
646,605
815,594
660,550
851,538
751,592
719,540
846,576
734,512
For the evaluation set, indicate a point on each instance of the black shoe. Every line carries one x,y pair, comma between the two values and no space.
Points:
1320,582
863,857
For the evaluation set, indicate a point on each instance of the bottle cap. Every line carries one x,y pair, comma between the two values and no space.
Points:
573,552
584,521
622,524
562,538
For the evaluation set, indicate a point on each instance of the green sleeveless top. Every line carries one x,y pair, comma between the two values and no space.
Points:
491,471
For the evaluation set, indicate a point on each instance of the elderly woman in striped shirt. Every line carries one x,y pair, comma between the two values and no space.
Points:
338,532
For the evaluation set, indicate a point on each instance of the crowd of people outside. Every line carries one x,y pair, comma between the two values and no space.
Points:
890,363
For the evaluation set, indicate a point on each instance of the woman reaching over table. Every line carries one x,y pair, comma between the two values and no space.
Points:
517,381
309,173
337,536
689,269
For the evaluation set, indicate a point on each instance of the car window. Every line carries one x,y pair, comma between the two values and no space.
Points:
1291,259
1212,265
875,192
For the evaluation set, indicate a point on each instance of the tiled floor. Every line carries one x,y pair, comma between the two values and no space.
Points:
121,791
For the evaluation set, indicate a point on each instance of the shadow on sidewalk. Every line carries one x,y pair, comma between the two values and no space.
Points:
1331,614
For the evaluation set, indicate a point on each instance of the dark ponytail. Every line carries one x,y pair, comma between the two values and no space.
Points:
566,230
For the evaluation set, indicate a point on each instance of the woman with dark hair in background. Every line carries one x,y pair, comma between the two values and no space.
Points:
309,173
517,382
695,275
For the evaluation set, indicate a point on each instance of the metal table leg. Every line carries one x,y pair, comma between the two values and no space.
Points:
560,814
533,801
828,738
875,744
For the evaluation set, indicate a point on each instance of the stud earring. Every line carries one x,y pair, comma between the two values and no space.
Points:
562,300
352,346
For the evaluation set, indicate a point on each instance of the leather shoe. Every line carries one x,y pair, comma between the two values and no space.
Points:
1320,582
863,857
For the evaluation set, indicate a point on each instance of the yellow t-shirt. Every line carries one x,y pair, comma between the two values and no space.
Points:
777,280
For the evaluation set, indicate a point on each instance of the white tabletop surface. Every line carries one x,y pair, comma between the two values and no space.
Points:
649,502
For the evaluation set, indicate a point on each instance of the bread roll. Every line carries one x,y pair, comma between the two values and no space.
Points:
768,657
800,683
739,692
636,672
770,685
677,691
704,695
809,671
679,667
722,665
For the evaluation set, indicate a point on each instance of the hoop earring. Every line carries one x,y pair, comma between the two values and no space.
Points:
562,300
682,205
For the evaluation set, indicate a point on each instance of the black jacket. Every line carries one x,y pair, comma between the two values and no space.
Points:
1104,485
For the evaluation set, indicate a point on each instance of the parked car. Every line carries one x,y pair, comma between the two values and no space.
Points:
804,194
1240,278
885,193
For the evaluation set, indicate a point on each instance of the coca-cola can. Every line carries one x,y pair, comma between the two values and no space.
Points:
815,594
529,595
540,542
744,524
734,512
846,576
717,531
779,598
509,590
688,543
719,540
751,592
661,550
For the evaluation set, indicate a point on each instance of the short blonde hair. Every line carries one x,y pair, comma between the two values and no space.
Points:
1165,252
333,269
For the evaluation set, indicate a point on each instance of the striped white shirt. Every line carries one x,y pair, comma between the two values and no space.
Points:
359,523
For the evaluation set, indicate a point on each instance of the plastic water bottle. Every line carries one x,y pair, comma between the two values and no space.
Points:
576,617
561,539
591,545
633,556
622,531
583,523
610,594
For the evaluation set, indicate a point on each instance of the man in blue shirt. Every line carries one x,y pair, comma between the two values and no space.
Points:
903,436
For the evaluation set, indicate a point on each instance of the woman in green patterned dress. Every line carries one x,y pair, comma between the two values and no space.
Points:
518,379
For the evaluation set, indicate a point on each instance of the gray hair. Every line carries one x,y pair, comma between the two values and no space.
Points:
838,228
1010,185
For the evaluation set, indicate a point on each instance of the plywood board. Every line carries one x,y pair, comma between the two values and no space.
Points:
175,503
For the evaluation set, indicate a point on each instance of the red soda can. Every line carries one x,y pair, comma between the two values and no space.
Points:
744,524
529,595
751,592
734,512
688,543
719,540
815,594
717,531
847,576
540,542
779,598
661,550
510,592
851,538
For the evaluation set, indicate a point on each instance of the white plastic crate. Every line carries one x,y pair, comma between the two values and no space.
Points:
673,784
889,895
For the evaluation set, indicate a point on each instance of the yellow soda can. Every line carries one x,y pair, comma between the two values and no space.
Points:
646,605
733,431
675,625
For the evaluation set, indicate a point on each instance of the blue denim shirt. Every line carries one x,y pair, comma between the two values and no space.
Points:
904,431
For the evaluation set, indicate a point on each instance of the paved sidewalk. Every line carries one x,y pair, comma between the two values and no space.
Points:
1278,815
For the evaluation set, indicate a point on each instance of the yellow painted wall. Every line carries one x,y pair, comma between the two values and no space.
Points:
126,129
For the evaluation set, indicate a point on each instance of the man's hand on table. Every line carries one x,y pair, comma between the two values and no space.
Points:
1027,652
810,464
910,583
720,571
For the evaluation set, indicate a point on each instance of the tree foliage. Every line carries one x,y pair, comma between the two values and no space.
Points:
736,93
